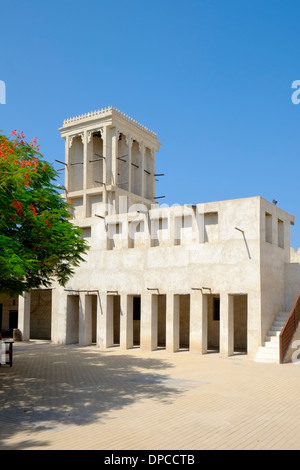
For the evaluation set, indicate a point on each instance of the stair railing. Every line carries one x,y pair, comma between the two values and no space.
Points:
289,329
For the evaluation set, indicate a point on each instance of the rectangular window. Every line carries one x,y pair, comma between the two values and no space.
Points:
280,234
162,223
268,227
118,229
211,227
216,309
86,232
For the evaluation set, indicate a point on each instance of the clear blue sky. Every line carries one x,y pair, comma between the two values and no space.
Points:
211,77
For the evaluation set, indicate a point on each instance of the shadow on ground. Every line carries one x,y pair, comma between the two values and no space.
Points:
54,387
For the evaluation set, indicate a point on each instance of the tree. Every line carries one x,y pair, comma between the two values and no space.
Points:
38,243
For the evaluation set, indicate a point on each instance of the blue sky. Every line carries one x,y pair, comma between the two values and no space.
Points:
211,77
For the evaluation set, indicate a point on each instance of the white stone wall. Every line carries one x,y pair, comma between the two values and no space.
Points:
230,263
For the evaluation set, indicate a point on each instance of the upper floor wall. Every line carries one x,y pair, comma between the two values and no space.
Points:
240,225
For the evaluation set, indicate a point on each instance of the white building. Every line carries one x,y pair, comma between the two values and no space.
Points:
212,276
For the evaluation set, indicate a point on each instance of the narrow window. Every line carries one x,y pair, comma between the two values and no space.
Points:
211,227
268,227
280,234
118,229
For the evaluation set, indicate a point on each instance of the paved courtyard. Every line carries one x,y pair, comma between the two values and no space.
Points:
71,397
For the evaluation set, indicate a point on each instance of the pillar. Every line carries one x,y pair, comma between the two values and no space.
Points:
85,319
59,316
149,322
129,141
226,325
142,172
153,169
172,323
198,322
24,315
84,170
85,158
67,161
105,321
114,156
126,321
254,323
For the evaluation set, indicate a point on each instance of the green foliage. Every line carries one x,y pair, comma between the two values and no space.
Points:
38,243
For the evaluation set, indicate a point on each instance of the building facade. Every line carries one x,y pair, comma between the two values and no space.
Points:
205,277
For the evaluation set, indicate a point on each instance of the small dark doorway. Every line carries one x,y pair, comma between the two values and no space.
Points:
184,321
136,320
240,323
213,327
13,320
117,315
161,320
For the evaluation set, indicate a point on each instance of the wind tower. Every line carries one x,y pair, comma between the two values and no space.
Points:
109,160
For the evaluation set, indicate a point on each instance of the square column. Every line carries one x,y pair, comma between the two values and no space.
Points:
85,158
114,156
129,141
142,176
149,322
85,319
59,315
226,325
105,318
198,322
67,160
172,323
126,321
24,315
254,330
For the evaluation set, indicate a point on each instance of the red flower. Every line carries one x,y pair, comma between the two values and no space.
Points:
33,209
48,223
18,206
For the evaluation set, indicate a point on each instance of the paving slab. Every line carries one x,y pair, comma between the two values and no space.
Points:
81,398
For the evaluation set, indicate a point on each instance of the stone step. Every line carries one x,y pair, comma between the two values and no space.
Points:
271,345
274,332
283,314
269,352
273,338
278,324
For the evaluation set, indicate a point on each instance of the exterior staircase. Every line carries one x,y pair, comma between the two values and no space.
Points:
269,352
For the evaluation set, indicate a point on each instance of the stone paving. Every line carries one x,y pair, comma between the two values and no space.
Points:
71,397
